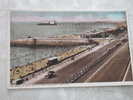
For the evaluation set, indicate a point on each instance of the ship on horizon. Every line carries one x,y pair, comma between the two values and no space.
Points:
51,22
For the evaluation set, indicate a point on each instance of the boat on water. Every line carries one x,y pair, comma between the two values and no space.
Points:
51,22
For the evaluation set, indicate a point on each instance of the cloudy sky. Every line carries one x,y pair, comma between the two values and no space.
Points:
25,16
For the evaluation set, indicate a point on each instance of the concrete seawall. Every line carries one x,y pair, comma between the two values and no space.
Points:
49,42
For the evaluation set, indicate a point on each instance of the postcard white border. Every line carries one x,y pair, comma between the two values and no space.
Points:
79,85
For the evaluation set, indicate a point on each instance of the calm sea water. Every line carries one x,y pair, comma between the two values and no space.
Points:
24,55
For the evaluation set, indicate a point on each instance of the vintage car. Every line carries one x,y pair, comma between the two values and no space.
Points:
52,61
51,74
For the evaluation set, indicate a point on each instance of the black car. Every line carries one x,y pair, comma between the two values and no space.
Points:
51,74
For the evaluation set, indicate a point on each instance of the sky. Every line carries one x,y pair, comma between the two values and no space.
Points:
30,16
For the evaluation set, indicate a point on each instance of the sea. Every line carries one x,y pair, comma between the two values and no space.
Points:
19,30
